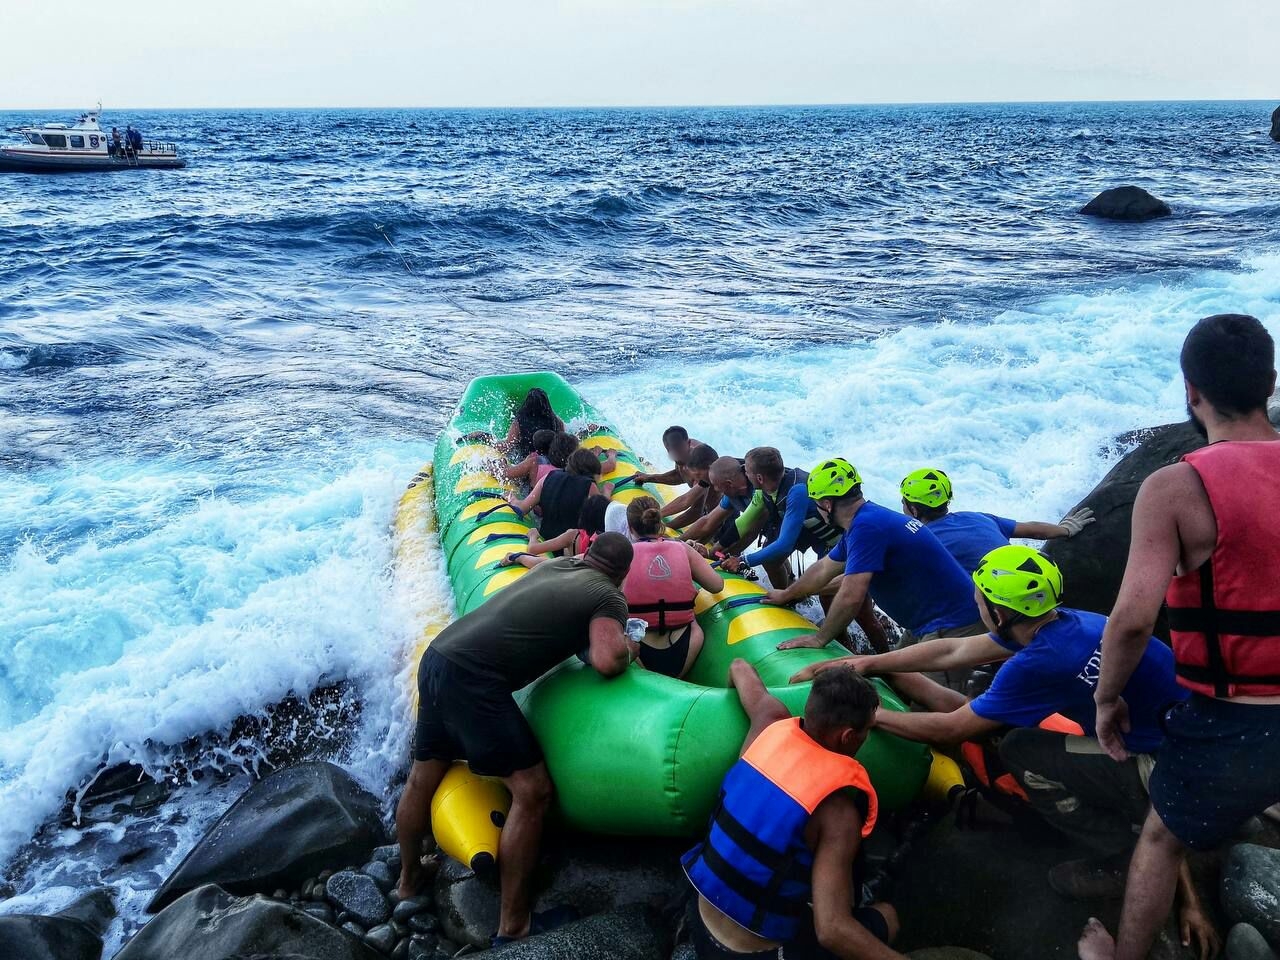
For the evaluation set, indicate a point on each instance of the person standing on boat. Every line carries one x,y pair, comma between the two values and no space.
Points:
116,142
781,861
466,710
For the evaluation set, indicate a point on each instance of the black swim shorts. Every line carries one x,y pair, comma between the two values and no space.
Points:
1219,765
464,716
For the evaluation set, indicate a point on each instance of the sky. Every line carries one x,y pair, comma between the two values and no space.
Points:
426,53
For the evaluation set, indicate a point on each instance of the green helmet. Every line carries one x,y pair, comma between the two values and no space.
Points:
1020,578
929,487
832,478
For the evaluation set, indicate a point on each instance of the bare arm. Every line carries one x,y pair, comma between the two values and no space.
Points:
1038,530
704,575
945,653
610,651
685,501
554,545
819,574
671,477
762,707
531,501
939,729
846,605
838,834
522,469
704,528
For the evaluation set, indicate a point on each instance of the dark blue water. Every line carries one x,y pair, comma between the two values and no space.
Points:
214,381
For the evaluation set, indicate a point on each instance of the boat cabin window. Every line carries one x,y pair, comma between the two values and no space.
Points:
36,139
78,142
56,140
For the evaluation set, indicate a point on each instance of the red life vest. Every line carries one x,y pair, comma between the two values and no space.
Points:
659,587
1225,617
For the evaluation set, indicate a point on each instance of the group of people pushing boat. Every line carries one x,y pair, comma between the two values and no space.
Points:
1095,724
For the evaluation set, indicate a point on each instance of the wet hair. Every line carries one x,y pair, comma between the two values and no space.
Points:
583,462
644,516
536,406
591,516
674,434
701,458
1230,358
542,440
840,698
561,447
766,461
611,554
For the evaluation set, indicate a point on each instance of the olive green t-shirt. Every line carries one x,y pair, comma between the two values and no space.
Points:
532,625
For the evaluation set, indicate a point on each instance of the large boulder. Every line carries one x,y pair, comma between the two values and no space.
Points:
1126,203
1244,942
211,924
580,872
633,933
1275,124
73,934
1093,562
283,829
1251,888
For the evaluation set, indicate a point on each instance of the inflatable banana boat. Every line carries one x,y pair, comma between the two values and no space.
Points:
640,754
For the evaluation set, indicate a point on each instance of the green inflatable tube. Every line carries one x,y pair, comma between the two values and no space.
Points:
640,754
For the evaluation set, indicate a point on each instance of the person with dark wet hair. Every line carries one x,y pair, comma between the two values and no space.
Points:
574,542
782,862
466,710
533,414
561,493
679,445
660,590
1205,544
536,465
701,497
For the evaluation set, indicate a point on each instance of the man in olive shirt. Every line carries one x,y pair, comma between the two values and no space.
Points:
466,710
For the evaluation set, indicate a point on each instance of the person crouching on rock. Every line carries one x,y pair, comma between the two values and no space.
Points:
788,832
466,710
1051,658
660,590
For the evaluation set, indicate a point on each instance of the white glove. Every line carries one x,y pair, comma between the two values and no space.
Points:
1073,523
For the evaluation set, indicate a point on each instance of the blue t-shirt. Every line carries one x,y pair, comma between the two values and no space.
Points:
914,579
971,536
1057,672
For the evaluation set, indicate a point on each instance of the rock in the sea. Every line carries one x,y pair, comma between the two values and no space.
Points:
1244,942
425,950
1093,562
282,831
632,933
1126,203
381,937
73,934
408,908
381,874
321,911
1251,888
588,875
1275,125
424,923
386,853
358,895
211,924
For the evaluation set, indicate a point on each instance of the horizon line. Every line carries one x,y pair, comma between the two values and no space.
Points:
659,106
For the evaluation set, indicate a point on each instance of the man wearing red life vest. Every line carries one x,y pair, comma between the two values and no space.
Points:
1206,539
786,835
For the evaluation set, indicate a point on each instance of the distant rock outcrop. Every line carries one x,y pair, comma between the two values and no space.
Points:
1275,125
1126,203
74,934
282,830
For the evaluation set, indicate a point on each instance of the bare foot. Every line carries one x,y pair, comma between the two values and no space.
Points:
1095,943
411,879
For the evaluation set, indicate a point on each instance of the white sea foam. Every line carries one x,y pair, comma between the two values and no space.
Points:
1020,411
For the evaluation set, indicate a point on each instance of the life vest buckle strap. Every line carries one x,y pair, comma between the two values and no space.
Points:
757,849
748,889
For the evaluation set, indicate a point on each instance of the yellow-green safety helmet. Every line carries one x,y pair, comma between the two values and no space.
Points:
1020,578
929,487
832,478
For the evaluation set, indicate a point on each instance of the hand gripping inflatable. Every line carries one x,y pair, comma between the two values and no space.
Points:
641,754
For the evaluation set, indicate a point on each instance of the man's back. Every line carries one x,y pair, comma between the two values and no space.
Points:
533,624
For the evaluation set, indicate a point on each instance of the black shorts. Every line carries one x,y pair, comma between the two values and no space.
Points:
804,947
464,716
1218,766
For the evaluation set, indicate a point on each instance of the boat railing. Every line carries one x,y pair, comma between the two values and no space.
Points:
156,146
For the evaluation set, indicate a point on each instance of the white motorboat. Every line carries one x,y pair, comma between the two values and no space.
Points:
84,145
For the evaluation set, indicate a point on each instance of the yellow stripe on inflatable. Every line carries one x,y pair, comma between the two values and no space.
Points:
480,506
473,451
623,469
495,553
606,442
629,493
479,481
732,588
497,530
765,621
500,580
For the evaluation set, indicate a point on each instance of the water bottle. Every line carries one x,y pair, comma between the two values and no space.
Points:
636,629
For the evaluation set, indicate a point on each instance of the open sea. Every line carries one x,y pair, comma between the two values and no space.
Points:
215,382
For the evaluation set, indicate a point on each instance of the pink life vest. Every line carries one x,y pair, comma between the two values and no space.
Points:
542,471
659,587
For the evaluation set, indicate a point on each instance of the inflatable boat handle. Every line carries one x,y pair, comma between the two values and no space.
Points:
502,506
504,536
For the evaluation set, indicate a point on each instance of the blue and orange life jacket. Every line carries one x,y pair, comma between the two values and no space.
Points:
754,866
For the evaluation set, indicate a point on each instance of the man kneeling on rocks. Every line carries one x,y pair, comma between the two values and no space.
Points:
466,710
788,831
1050,658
